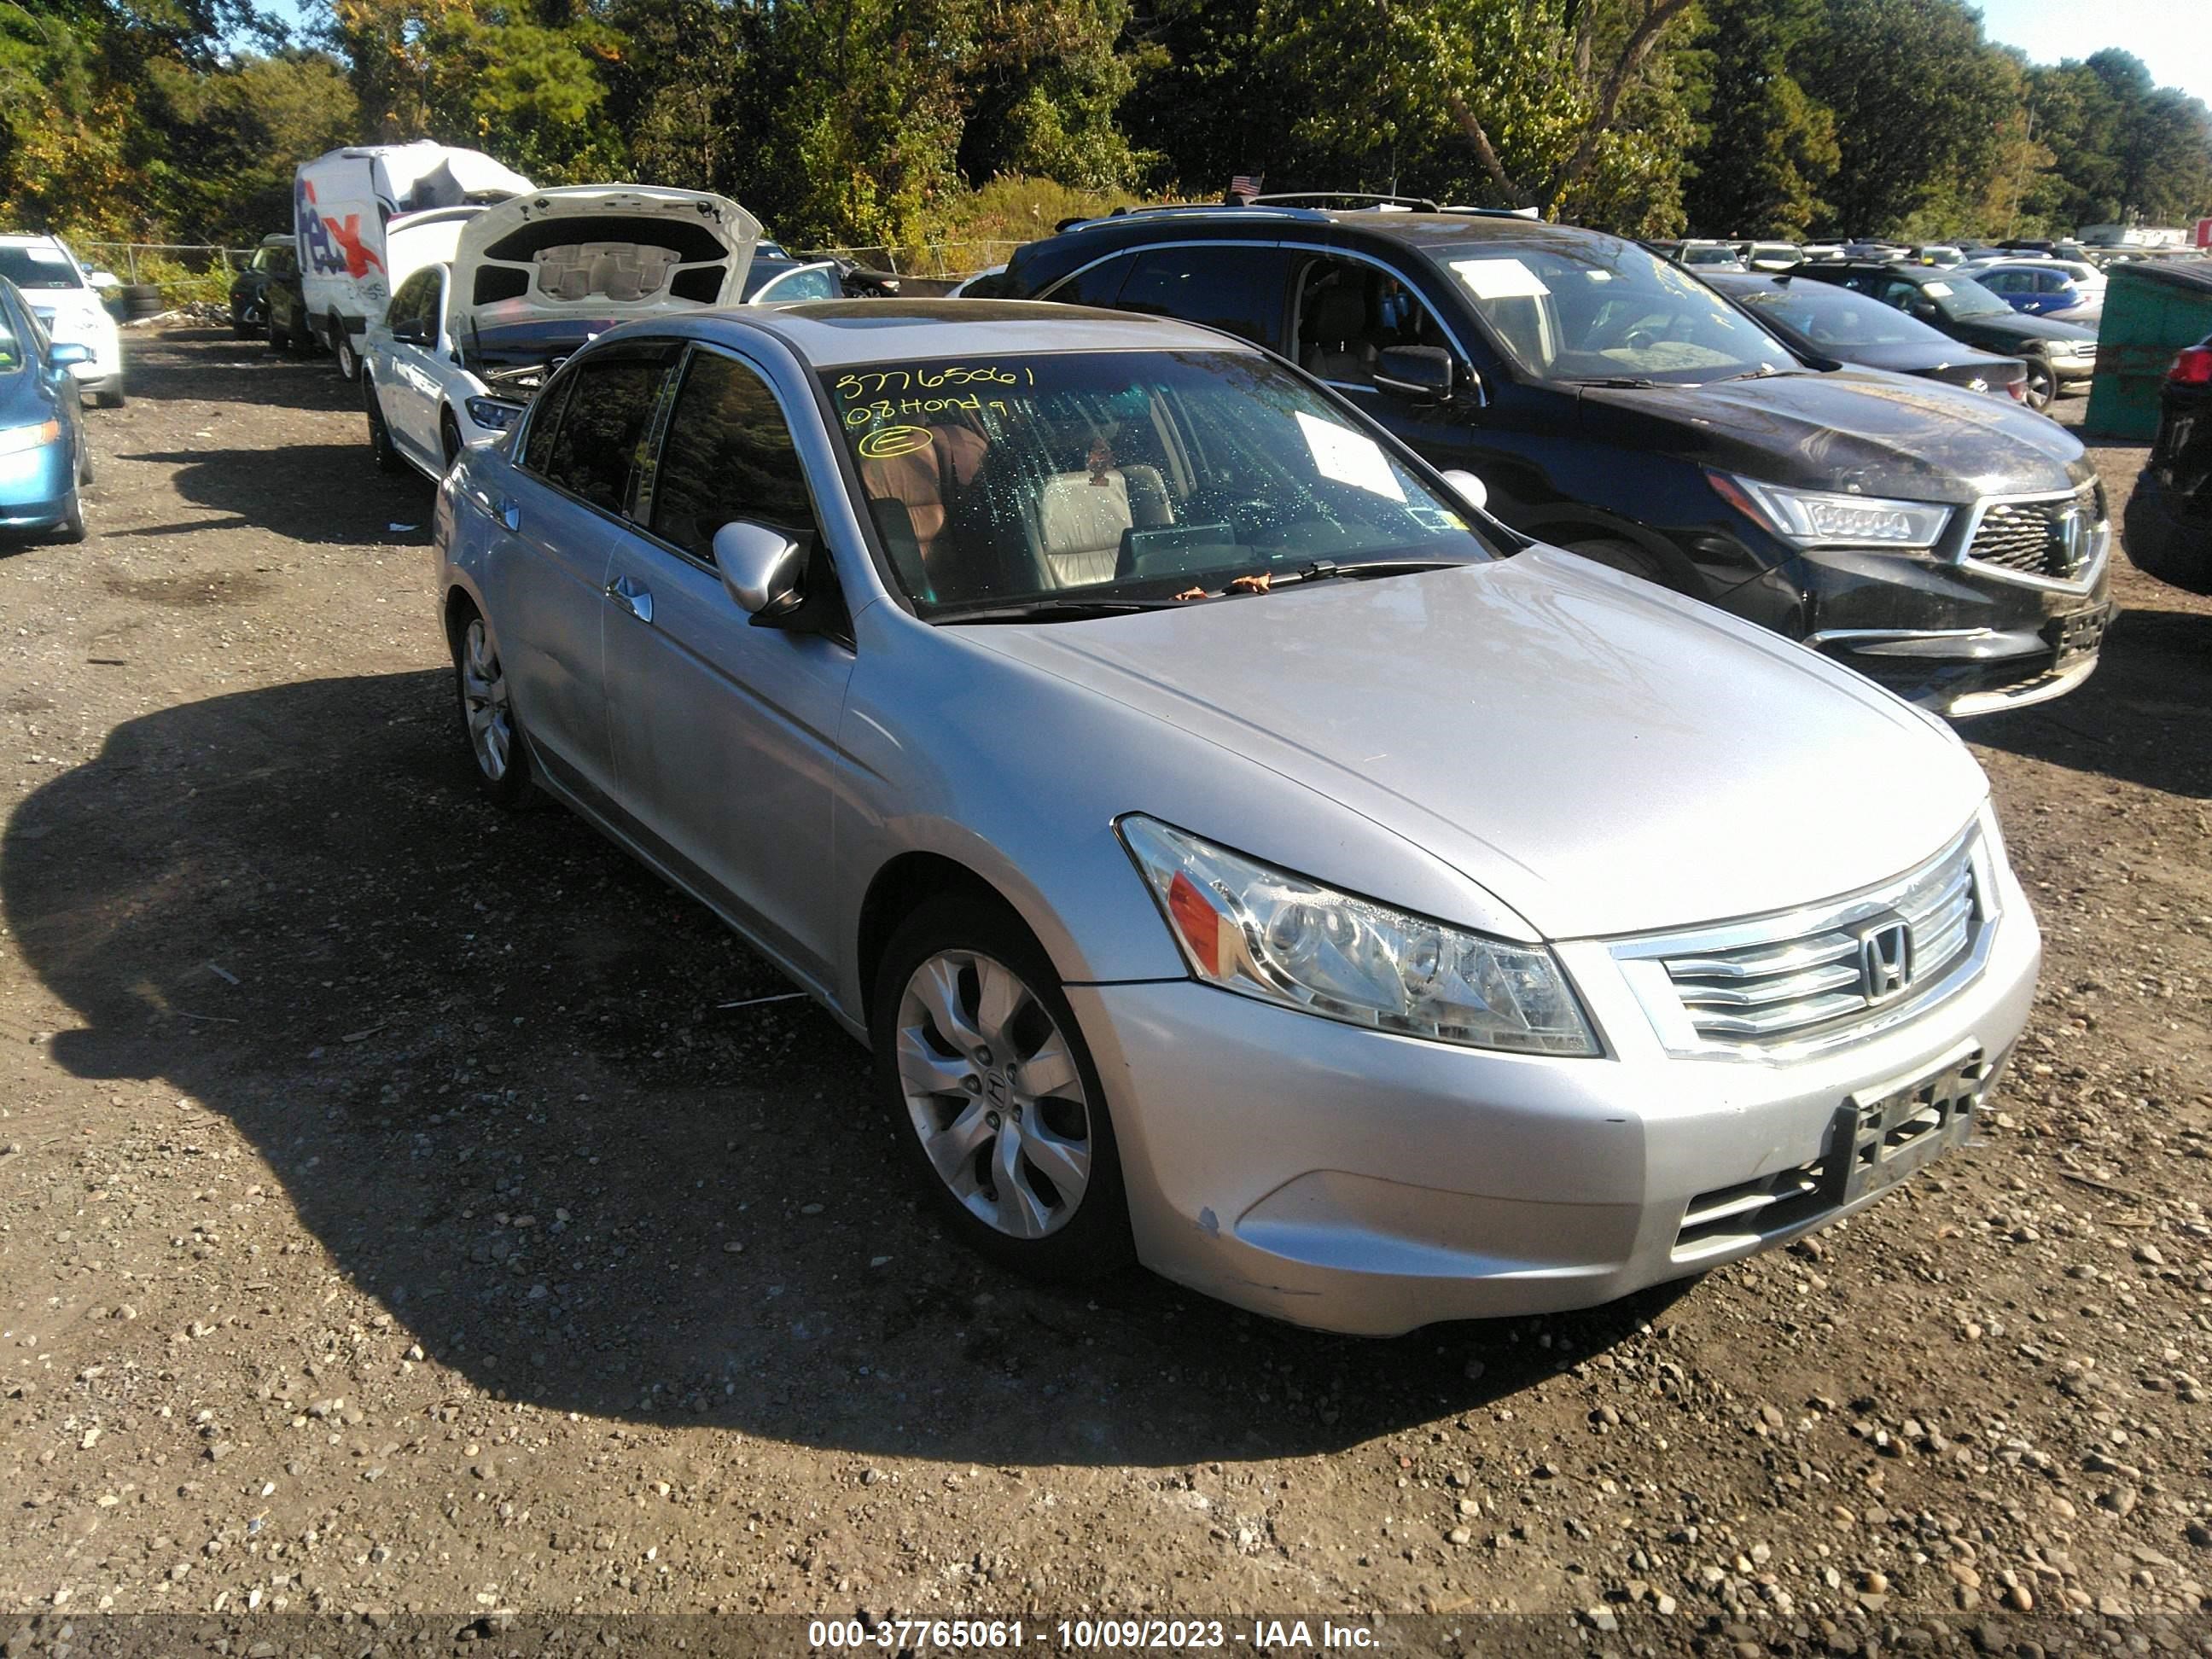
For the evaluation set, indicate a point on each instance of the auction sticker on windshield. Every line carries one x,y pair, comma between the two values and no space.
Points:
1499,279
1350,458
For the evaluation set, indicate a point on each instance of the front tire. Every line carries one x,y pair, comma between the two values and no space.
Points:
449,438
1625,556
502,760
109,400
2042,384
71,528
349,359
993,1094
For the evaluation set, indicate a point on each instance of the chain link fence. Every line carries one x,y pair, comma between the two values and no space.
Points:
941,260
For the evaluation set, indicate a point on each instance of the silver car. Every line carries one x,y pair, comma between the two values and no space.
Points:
1233,858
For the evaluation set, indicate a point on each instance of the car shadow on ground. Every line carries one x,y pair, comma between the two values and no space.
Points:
314,493
490,1060
2140,719
248,372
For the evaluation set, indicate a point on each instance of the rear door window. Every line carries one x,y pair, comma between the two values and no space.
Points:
1240,291
1095,285
598,450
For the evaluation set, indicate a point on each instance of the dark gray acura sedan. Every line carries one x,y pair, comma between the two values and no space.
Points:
1238,851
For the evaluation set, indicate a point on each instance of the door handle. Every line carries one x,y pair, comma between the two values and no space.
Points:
509,514
633,596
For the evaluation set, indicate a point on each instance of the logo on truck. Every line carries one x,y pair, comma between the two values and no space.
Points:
329,245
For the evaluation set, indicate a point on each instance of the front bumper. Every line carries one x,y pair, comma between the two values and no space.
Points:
1950,636
36,486
1358,1181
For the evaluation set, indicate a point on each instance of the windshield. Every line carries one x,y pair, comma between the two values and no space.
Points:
1599,309
1824,316
1009,479
1962,296
11,349
35,267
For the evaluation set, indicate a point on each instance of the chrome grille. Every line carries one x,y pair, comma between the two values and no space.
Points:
2031,538
1819,976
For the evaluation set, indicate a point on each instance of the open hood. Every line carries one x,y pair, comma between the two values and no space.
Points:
599,254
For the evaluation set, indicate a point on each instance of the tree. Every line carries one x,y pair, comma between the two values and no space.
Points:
1768,148
1526,102
1918,99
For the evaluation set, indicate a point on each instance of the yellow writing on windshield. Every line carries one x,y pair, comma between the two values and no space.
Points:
887,442
886,408
876,382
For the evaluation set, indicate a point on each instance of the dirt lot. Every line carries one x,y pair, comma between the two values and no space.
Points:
392,1218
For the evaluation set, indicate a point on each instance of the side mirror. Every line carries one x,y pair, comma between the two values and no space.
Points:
1469,488
104,279
1424,373
64,354
760,567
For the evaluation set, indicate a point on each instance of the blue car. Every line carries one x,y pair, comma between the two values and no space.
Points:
44,457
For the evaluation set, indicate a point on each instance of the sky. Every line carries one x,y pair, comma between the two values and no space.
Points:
2173,37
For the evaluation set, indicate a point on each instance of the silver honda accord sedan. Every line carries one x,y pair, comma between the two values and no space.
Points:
1237,851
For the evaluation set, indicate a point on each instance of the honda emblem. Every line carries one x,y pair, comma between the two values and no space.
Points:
1886,959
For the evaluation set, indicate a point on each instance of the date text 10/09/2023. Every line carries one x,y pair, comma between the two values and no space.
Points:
1086,1635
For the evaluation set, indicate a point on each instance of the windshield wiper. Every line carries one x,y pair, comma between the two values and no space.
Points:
1626,383
1052,610
1321,569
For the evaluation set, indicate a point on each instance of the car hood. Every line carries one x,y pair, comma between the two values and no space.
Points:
1600,757
1848,429
610,252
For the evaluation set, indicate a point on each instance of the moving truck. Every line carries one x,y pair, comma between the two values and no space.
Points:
365,217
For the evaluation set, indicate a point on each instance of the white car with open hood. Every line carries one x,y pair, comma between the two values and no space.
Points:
462,347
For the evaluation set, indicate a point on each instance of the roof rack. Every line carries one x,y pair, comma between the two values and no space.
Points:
1492,213
1168,210
1365,198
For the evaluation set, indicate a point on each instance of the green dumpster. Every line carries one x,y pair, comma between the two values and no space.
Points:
2153,307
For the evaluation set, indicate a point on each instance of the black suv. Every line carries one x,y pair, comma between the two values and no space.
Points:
2058,354
1950,546
2169,519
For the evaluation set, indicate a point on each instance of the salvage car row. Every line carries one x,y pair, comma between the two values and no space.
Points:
1245,716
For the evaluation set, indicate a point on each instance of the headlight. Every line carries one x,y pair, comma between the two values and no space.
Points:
492,414
15,440
1820,518
1264,933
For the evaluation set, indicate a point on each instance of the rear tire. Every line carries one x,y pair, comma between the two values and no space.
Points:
279,339
968,1018
388,455
109,400
349,359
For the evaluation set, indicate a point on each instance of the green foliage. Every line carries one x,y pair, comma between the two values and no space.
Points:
1770,148
892,124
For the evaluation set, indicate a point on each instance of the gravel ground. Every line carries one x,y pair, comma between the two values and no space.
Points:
394,1218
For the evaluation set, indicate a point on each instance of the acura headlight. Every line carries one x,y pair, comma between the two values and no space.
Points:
15,440
1820,518
493,414
1264,933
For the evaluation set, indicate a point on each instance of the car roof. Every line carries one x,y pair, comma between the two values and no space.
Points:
1417,228
838,333
29,239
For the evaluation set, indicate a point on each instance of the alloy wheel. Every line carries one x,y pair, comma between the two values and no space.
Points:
484,701
994,1093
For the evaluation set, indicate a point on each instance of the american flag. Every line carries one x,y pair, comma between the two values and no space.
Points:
1244,186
